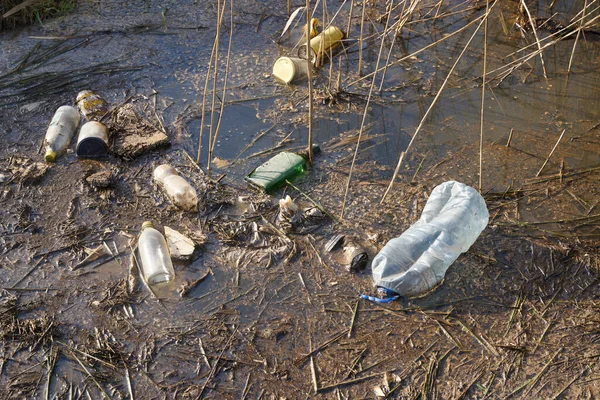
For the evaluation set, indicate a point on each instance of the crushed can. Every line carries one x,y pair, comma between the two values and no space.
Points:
290,69
322,44
93,140
92,105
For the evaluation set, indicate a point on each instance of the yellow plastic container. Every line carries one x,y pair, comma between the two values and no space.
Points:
322,44
290,69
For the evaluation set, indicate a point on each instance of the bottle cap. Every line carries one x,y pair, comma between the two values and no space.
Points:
50,155
147,224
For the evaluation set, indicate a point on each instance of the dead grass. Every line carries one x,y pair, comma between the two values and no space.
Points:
36,11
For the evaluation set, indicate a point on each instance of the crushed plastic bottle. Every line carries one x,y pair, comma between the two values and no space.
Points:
60,131
179,191
452,219
157,266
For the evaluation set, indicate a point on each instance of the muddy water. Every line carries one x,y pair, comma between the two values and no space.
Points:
256,319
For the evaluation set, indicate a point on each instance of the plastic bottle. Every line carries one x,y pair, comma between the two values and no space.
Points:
281,167
181,193
452,219
93,140
154,253
60,131
322,45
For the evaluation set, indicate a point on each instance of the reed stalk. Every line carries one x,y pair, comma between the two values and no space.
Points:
537,39
310,86
433,103
220,13
350,18
364,117
577,38
216,134
360,39
485,33
204,96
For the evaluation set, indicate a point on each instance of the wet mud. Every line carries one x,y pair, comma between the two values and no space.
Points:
263,310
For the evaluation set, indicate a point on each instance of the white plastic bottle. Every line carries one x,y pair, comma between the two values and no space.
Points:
60,131
179,191
452,219
157,266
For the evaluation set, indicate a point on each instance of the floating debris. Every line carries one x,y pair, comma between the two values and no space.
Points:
277,170
335,242
322,45
24,169
289,214
356,257
413,263
154,253
101,180
180,246
133,134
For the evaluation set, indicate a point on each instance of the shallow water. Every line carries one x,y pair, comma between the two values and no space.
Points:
278,312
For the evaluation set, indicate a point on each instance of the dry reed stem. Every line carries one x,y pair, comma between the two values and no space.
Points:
577,38
551,40
349,18
437,96
220,13
360,39
310,86
364,118
204,96
216,135
551,152
485,33
413,54
397,30
537,39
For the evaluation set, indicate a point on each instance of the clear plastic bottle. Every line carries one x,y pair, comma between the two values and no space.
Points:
157,266
179,191
60,131
452,219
